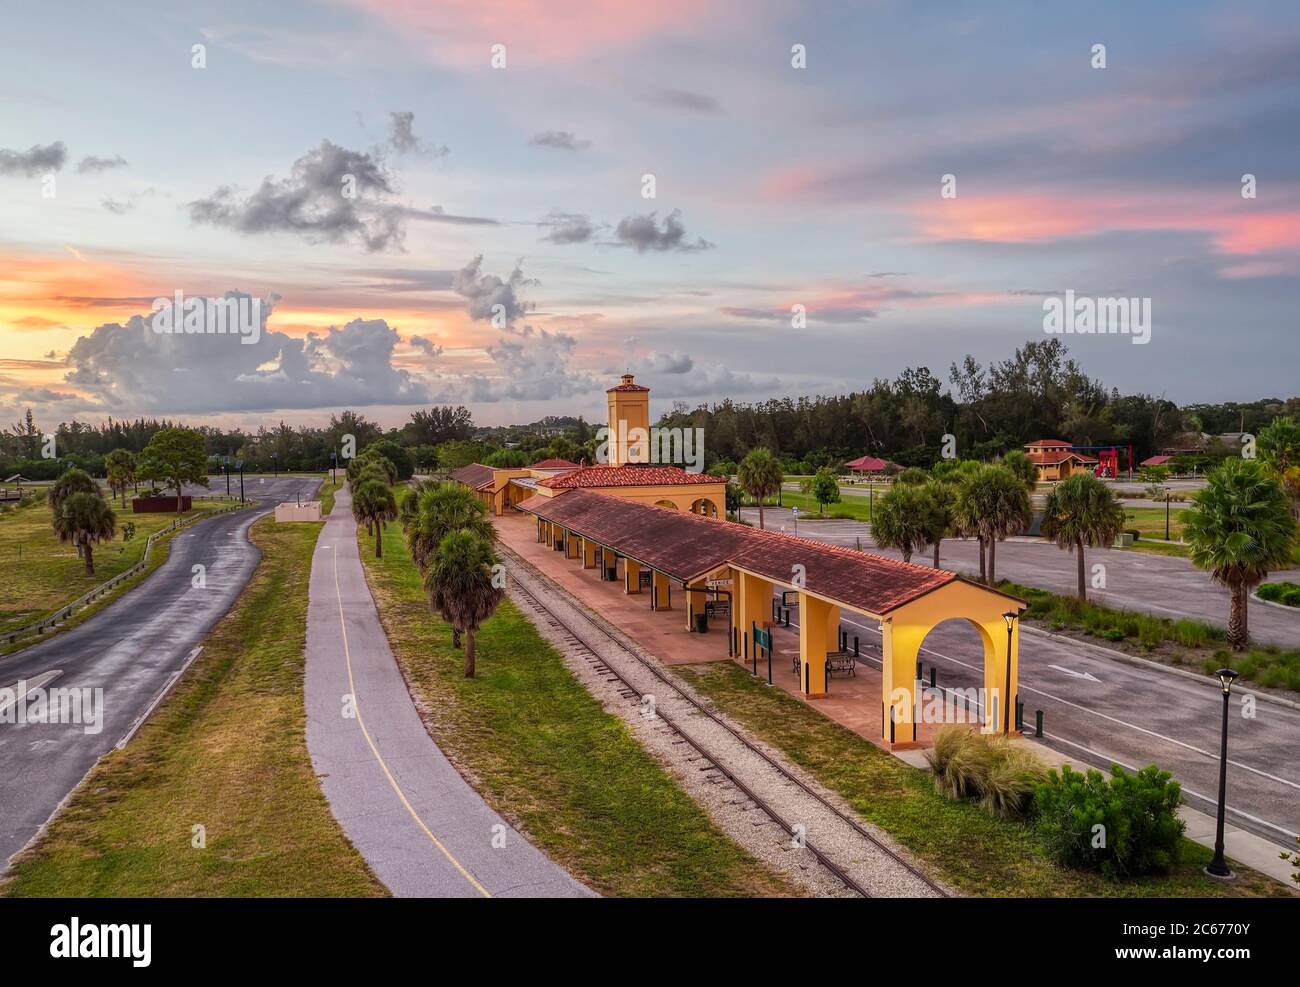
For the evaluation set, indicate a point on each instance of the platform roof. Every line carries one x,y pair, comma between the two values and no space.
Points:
687,546
475,475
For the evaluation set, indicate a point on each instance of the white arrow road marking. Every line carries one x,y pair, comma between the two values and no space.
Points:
42,680
1078,675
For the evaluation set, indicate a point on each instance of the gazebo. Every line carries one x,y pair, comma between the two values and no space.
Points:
867,464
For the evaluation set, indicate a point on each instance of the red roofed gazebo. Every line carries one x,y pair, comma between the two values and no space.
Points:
867,464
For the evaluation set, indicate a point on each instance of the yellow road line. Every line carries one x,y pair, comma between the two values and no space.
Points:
356,705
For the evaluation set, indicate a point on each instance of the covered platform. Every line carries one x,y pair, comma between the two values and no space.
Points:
723,576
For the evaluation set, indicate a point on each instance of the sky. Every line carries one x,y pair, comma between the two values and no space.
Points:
508,204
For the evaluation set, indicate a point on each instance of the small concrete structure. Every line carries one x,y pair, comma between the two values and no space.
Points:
309,511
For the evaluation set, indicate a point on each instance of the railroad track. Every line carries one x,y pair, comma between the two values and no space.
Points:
846,849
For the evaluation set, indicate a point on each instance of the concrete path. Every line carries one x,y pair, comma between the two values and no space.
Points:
424,831
131,650
1165,586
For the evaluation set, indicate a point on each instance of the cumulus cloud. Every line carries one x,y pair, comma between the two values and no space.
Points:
489,297
536,368
561,140
674,362
643,233
567,227
123,205
130,366
426,346
36,160
91,164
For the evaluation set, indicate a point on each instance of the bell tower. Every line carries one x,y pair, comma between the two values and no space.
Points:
629,422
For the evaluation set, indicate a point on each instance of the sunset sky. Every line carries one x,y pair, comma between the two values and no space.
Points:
521,186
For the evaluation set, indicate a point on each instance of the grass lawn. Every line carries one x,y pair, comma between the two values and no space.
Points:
542,751
38,575
226,751
328,489
1150,521
975,852
1185,642
850,506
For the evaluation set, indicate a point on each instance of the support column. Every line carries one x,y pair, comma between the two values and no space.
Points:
753,605
818,633
631,576
662,591
588,554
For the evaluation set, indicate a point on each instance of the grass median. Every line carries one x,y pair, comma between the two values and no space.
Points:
227,751
545,754
975,852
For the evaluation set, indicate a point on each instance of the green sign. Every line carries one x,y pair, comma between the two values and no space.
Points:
762,639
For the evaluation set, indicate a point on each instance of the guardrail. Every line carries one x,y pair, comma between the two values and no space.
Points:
64,612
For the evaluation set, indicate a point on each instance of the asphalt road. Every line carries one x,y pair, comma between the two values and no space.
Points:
424,831
1163,585
130,650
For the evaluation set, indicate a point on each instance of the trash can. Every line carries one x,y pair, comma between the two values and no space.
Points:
701,623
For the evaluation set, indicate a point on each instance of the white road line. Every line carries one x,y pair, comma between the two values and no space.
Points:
42,680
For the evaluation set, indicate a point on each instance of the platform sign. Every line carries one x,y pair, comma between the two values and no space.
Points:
717,583
717,608
789,598
762,639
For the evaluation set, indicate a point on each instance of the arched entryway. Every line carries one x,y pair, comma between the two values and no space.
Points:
704,506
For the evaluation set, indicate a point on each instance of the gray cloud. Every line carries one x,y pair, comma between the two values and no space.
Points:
91,164
34,161
401,136
426,346
562,140
674,362
485,292
643,233
681,99
567,227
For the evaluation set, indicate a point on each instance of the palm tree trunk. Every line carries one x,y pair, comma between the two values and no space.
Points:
90,560
469,654
983,566
1083,583
1238,633
379,545
907,555
455,638
993,558
760,513
936,555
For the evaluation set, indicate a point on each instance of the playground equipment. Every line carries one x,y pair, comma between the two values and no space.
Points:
1107,464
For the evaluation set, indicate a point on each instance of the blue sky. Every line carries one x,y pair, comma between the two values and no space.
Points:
776,187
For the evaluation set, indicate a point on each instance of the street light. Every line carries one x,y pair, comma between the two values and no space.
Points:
1166,515
1218,867
1010,617
275,465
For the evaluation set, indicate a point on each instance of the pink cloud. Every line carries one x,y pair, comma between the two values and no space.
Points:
463,31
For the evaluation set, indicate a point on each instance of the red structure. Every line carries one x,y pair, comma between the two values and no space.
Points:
1107,464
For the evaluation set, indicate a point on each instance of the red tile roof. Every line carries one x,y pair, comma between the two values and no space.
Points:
1156,461
475,475
869,463
625,387
625,476
1049,443
680,545
554,464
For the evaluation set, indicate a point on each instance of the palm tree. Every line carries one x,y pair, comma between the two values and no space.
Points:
1018,461
900,520
993,503
444,508
760,475
1081,510
1279,448
70,482
1238,528
409,509
120,464
461,588
84,519
373,503
941,503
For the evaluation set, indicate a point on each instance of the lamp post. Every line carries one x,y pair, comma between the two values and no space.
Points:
1010,617
275,465
225,467
333,459
240,464
1166,515
1218,867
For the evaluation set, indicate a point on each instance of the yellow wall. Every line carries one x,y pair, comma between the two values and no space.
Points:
632,409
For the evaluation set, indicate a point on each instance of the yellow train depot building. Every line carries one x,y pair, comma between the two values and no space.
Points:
661,532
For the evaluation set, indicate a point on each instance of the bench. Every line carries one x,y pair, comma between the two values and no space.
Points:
841,661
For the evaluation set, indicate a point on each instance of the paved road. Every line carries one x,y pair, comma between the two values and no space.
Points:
130,650
424,831
1162,585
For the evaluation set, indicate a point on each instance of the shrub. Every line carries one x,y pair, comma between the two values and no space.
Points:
1123,828
1191,633
1284,593
987,769
1137,535
1151,631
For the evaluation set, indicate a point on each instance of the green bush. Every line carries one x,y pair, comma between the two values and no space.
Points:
1285,593
1123,828
1191,633
1137,535
1151,631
